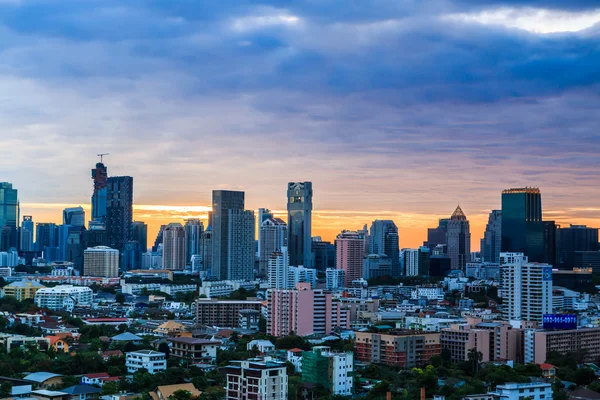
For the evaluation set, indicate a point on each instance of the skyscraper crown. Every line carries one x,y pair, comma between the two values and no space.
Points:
458,214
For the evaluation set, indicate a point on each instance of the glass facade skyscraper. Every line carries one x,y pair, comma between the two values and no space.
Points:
383,239
522,226
492,238
458,238
299,207
9,216
74,216
119,211
100,194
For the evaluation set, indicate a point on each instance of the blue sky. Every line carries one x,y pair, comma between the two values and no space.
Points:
392,108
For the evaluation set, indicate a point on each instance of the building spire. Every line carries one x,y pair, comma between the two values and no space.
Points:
458,214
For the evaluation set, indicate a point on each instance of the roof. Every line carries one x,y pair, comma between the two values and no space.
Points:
583,394
51,393
147,352
53,339
126,337
295,350
97,375
546,366
171,325
40,377
261,342
111,353
167,390
189,340
458,214
82,389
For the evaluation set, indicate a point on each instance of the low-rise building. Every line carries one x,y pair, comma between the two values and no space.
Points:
212,289
153,361
63,297
170,328
194,350
10,341
263,346
256,379
520,391
22,290
459,339
166,391
332,370
222,313
44,380
584,340
404,349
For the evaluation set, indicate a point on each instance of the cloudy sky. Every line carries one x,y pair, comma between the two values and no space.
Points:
393,109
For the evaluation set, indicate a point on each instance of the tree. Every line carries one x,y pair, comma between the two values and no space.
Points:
120,298
5,390
213,393
181,395
164,348
110,388
474,357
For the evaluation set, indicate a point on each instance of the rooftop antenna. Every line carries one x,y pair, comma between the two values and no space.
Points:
102,155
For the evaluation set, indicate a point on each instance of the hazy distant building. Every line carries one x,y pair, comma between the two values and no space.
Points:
26,234
206,249
193,235
131,256
74,216
376,266
101,261
9,215
233,236
273,237
139,233
459,240
492,238
384,239
46,235
174,247
299,207
350,247
100,193
119,210
437,236
572,239
323,254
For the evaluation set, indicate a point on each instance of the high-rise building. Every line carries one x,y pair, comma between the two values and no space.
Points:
549,231
273,237
119,210
159,238
416,262
526,288
256,379
46,235
384,239
572,239
350,248
206,249
437,236
376,266
193,235
26,234
522,227
131,256
233,236
95,235
139,233
334,278
459,240
9,216
299,207
174,247
101,261
74,216
278,269
100,194
335,371
492,238
323,254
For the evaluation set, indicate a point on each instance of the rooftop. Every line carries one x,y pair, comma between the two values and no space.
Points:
40,377
190,340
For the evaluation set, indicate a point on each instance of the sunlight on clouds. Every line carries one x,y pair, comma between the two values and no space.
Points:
532,19
252,23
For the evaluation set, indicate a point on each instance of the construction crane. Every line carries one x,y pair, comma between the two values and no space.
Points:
102,155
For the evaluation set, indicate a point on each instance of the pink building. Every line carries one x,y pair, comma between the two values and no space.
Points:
350,250
304,311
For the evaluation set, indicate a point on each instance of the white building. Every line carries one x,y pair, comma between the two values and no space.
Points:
430,293
212,289
301,274
173,256
526,288
334,278
9,258
264,377
278,269
264,346
520,391
5,272
63,296
138,288
410,259
101,261
341,368
151,360
483,270
272,237
152,260
62,268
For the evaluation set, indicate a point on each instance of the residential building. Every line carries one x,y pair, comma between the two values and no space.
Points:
59,297
165,392
194,350
9,215
278,269
583,341
152,361
233,236
405,349
520,391
170,328
263,346
332,370
258,379
193,236
174,247
384,239
459,339
299,207
304,311
10,341
483,270
350,247
300,274
206,249
222,313
272,237
119,211
458,240
573,239
334,278
415,262
101,261
491,243
44,380
22,290
212,289
526,288
249,320
376,266
522,227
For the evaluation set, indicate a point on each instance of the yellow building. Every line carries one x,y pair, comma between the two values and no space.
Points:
170,328
22,290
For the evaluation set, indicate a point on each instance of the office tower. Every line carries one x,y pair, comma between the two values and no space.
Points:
572,239
101,261
437,236
75,248
299,207
45,235
193,234
206,249
9,216
139,233
174,247
119,210
100,194
323,254
131,256
159,238
522,228
233,236
273,237
74,216
492,238
26,234
459,240
439,266
526,288
95,235
549,231
376,266
62,236
384,240
587,260
278,269
416,262
350,249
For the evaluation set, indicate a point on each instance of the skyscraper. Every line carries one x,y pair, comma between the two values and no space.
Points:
26,234
437,236
101,261
416,262
350,250
159,238
233,236
522,227
193,234
323,254
46,235
273,237
206,249
99,196
299,208
492,238
139,234
384,240
9,216
459,240
572,239
74,216
119,210
278,269
174,247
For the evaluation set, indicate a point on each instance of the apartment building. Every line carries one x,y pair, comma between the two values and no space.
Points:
332,370
520,391
584,340
63,296
404,349
256,379
153,361
22,290
460,338
193,349
222,313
